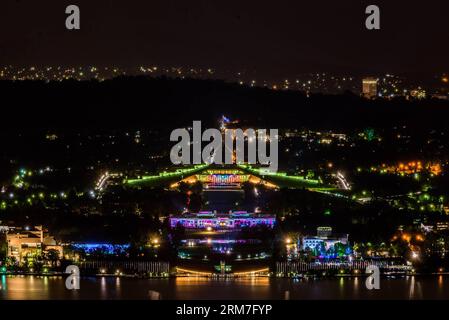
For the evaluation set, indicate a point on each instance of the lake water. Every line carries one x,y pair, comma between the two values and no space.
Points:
109,288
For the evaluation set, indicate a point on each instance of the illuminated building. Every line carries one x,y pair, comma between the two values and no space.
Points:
316,242
238,219
225,180
324,232
442,226
30,242
324,238
369,88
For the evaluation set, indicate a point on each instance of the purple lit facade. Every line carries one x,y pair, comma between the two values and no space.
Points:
232,220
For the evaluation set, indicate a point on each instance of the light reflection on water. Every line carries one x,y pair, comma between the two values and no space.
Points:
356,285
259,282
44,287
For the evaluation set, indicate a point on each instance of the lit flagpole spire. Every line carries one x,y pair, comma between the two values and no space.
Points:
223,121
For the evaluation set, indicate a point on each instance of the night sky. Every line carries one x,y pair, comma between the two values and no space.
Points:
273,38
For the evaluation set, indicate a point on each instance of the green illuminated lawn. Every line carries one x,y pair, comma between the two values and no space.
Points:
279,179
164,178
282,180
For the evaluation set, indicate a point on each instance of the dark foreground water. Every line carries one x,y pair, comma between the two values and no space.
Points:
43,288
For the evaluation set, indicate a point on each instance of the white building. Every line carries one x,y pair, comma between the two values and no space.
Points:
324,237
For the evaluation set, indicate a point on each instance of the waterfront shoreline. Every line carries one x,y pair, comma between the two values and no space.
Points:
201,288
